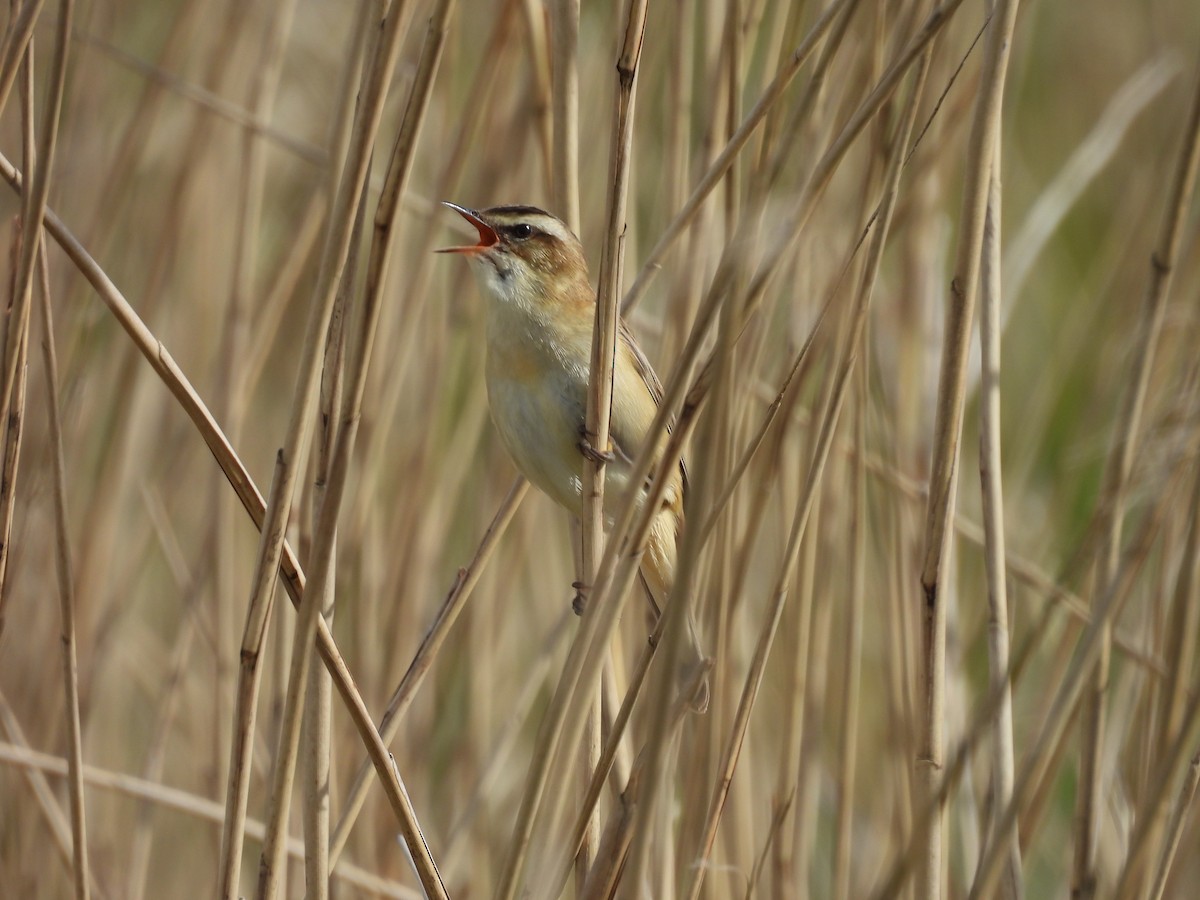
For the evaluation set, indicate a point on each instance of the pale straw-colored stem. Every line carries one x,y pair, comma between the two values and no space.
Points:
947,430
323,541
848,355
66,593
991,482
1115,496
185,394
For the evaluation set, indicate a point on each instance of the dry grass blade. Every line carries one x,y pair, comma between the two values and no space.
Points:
564,18
599,401
66,590
39,186
431,644
232,167
604,333
995,554
1115,497
729,154
165,366
848,355
1187,791
947,429
16,39
190,804
13,431
58,822
339,466
1066,698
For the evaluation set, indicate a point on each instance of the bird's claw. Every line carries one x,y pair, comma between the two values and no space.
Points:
599,457
581,596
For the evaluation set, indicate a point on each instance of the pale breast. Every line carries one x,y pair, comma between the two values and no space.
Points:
540,423
538,402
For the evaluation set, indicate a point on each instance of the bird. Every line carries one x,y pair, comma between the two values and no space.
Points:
532,271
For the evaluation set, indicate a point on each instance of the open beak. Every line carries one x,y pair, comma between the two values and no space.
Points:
487,234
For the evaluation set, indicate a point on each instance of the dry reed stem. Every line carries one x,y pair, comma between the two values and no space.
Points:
1041,753
13,431
818,180
14,349
564,20
323,541
1187,791
802,114
503,746
56,820
229,397
66,593
1149,827
100,516
1067,695
541,66
16,38
168,371
604,332
991,481
725,160
208,99
1018,567
315,738
802,211
39,184
564,172
852,651
1126,435
156,746
612,745
790,863
464,583
1183,621
383,55
938,538
1091,155
611,861
36,763
138,129
847,356
564,718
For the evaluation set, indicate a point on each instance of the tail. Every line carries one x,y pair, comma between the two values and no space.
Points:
658,574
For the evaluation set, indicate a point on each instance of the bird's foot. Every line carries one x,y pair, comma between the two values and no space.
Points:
599,457
579,603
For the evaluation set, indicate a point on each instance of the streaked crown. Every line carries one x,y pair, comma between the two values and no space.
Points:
524,251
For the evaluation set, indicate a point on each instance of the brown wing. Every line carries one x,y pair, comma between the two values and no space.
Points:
650,377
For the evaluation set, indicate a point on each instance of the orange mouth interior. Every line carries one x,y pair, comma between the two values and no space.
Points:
487,234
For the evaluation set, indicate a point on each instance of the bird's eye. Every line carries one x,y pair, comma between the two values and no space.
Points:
521,231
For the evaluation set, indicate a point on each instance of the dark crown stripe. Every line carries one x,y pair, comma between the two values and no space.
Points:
516,211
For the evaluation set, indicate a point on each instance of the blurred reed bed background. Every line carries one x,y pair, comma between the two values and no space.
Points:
1011,710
